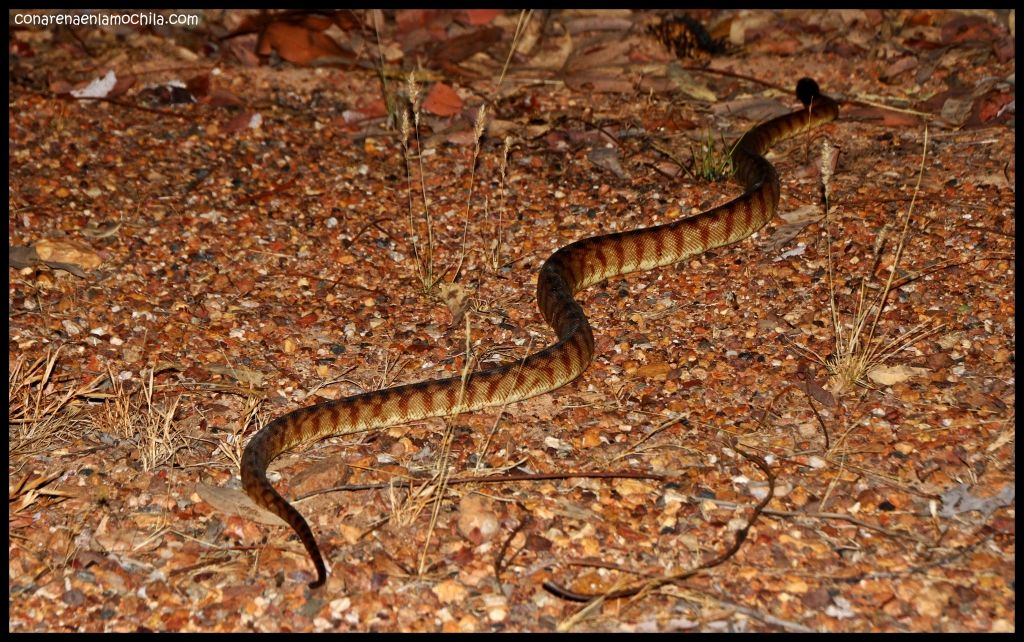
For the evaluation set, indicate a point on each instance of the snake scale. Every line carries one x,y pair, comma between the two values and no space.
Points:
569,270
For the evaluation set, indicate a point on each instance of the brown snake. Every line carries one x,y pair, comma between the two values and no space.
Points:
567,271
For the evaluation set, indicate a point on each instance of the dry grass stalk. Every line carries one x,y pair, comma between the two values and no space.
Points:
137,419
232,445
521,23
41,411
444,457
33,491
392,104
440,487
405,512
478,133
495,257
424,261
859,347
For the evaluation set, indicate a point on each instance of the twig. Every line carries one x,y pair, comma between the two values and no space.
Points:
817,415
884,575
500,563
749,612
845,518
558,590
121,103
493,479
668,423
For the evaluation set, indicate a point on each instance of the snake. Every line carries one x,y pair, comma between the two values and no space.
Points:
568,270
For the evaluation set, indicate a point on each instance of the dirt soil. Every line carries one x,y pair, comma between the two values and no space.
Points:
214,224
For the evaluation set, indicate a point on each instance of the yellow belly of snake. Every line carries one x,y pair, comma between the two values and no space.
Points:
567,271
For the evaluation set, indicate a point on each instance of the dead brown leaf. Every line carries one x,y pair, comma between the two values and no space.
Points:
67,252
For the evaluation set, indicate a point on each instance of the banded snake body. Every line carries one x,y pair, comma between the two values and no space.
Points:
569,270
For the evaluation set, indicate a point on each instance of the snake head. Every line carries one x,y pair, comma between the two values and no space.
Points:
807,90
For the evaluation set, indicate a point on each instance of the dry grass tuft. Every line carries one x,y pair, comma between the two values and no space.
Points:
232,445
43,410
860,348
134,416
46,412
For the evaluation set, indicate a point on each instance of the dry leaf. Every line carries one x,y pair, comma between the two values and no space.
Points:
608,158
442,101
658,370
242,375
599,55
888,375
300,45
796,220
96,230
556,50
456,298
477,522
236,502
98,88
449,591
69,252
690,84
20,256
